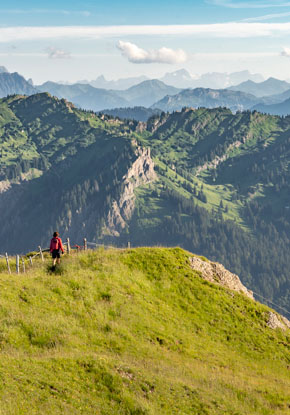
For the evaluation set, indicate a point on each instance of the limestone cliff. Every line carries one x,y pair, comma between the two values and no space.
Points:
141,172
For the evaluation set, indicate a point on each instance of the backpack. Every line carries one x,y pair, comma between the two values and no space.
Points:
55,243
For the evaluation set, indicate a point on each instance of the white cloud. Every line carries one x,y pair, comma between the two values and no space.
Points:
54,53
163,55
286,52
266,17
220,30
249,4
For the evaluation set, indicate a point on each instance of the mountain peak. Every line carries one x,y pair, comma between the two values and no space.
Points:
13,83
275,80
3,69
149,83
101,78
180,78
272,86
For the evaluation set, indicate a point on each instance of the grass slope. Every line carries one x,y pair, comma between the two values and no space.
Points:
135,332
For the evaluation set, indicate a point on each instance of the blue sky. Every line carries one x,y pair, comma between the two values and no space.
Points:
73,40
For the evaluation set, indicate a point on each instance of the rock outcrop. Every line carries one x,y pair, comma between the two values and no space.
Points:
275,321
215,272
141,172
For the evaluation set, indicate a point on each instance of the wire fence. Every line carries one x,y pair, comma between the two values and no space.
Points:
20,259
271,302
84,247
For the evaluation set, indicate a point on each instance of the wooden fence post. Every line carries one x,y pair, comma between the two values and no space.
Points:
17,264
85,244
41,253
30,260
68,246
23,264
7,262
129,245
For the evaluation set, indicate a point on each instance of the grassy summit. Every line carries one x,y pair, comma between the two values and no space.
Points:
136,332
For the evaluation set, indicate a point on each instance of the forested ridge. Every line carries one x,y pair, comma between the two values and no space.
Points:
222,185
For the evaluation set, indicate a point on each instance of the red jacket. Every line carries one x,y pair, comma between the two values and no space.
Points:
56,243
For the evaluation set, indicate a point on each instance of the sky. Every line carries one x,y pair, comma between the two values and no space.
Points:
77,40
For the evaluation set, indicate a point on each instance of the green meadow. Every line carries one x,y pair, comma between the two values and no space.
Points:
135,331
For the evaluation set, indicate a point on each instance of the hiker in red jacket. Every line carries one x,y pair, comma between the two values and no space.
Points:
55,248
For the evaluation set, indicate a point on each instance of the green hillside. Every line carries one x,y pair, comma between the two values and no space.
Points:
136,332
76,158
40,130
220,187
223,191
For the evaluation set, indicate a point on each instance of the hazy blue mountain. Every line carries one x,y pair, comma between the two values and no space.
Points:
221,80
147,93
208,98
241,76
281,108
275,99
133,113
3,69
180,78
13,83
216,80
97,99
123,83
85,96
271,86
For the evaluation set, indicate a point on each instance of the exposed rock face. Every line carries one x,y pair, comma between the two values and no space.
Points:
154,124
278,322
141,172
215,272
285,321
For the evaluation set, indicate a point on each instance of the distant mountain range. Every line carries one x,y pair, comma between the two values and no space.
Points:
269,96
208,98
123,83
87,97
181,79
217,80
282,108
271,86
147,93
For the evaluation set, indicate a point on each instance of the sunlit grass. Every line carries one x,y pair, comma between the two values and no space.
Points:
135,332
